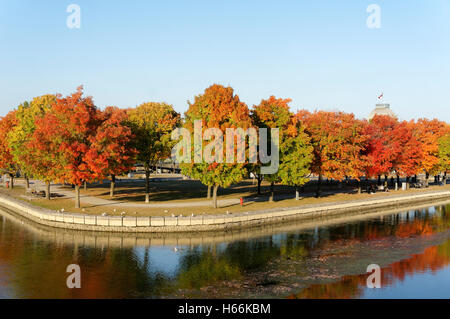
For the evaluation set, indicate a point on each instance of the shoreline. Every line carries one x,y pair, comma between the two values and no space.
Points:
128,239
205,223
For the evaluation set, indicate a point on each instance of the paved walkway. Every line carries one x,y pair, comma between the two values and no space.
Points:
96,201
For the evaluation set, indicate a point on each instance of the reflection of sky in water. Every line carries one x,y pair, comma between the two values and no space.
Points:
162,258
410,214
418,285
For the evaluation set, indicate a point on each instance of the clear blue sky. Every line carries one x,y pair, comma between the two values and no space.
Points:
319,53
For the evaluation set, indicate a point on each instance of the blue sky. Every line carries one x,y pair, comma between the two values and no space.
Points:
319,53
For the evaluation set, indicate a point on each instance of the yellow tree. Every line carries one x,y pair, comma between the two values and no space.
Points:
27,114
152,124
444,155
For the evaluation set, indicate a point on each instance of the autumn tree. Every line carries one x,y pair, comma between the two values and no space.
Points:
382,148
428,133
295,151
7,163
27,115
111,152
62,140
217,110
296,155
339,143
444,155
410,155
152,124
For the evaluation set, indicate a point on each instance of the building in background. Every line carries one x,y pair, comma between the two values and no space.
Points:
382,108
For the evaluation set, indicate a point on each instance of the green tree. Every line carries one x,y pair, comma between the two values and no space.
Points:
296,155
295,149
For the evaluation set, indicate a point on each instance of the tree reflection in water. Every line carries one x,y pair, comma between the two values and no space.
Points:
431,260
34,268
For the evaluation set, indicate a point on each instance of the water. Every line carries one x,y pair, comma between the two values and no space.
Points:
325,258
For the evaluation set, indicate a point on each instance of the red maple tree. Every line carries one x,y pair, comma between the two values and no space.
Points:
111,152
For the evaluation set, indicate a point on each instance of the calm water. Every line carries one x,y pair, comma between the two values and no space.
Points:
295,260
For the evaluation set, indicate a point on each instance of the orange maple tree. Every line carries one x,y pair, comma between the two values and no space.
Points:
428,133
339,143
218,107
111,152
7,163
410,155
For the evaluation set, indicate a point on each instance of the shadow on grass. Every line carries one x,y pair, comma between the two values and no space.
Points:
164,191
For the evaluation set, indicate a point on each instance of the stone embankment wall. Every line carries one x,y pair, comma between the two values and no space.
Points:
206,222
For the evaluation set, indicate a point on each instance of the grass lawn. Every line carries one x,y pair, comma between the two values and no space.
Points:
188,191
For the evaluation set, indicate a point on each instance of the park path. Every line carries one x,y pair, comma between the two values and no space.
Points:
96,201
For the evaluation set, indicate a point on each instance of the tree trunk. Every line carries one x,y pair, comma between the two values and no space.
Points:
216,187
379,180
27,182
271,192
208,195
427,176
359,187
407,182
147,185
77,196
85,185
12,181
48,195
297,193
112,185
398,180
259,184
319,181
